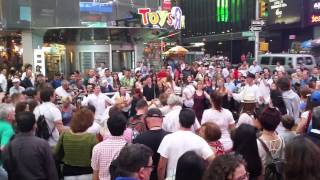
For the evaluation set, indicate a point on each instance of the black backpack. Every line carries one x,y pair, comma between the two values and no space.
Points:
274,166
43,130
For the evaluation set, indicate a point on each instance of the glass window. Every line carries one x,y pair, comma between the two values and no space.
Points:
85,61
86,35
308,61
101,57
265,60
300,60
281,60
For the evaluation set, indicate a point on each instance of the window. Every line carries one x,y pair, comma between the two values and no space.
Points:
265,60
300,60
308,61
281,60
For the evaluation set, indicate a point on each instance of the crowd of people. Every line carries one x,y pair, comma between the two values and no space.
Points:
193,121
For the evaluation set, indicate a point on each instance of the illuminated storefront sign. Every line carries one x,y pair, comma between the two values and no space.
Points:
315,18
173,18
316,6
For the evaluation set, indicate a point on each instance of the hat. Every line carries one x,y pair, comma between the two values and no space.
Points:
15,80
210,67
249,98
315,97
250,75
154,112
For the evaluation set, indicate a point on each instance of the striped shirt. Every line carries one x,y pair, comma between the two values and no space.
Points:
103,154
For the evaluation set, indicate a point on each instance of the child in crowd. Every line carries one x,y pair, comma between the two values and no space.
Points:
211,133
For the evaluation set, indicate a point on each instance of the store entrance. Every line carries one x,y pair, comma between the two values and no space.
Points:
122,60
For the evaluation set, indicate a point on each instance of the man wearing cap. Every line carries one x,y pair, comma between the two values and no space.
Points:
250,88
153,137
16,88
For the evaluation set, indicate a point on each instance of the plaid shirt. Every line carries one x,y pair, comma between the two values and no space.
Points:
104,153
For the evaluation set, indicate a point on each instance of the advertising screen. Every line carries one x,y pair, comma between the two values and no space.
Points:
284,12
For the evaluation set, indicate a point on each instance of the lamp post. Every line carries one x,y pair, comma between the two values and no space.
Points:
256,43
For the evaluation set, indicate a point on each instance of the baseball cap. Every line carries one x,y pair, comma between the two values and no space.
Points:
15,80
154,112
315,97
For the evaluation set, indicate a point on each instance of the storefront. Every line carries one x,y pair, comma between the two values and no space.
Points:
86,32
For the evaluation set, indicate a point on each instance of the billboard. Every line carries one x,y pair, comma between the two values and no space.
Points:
26,14
314,15
284,12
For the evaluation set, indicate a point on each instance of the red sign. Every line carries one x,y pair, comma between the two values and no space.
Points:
166,5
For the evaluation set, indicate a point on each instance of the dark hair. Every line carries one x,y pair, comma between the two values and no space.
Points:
212,131
284,83
22,106
117,124
223,166
287,122
141,104
190,166
81,120
245,143
277,101
270,119
25,121
216,100
302,159
46,94
132,158
91,108
187,118
316,118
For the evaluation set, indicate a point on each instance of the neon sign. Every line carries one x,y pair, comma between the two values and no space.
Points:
316,6
315,18
160,18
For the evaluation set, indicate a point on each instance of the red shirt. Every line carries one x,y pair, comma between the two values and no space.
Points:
162,74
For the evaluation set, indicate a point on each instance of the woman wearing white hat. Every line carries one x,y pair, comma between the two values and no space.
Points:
247,113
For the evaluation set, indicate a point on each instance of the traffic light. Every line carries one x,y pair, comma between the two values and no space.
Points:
263,9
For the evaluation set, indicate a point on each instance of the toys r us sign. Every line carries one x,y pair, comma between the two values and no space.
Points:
173,18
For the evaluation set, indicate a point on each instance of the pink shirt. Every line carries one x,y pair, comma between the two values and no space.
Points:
104,153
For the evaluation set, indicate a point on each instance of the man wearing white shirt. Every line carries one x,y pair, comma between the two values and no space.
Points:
16,88
62,90
100,102
250,88
174,145
255,68
52,115
3,80
171,119
188,92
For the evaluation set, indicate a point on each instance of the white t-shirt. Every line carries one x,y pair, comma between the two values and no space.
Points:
99,102
174,145
3,82
245,119
187,95
94,128
52,115
62,92
223,119
251,90
171,121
